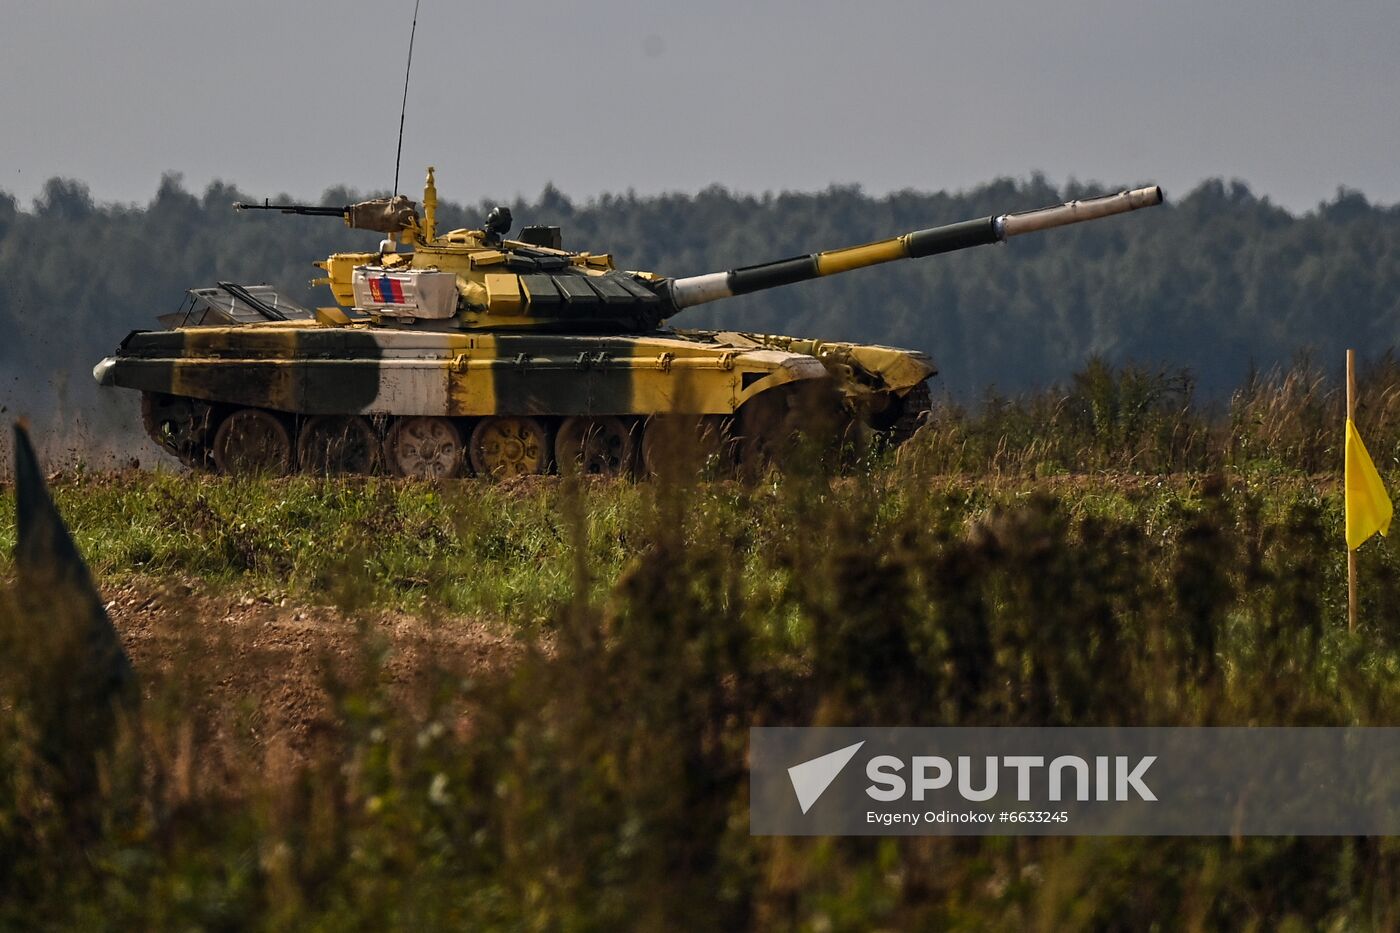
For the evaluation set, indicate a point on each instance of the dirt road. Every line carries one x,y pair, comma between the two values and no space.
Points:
257,671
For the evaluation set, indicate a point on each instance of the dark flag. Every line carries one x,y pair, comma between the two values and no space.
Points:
72,673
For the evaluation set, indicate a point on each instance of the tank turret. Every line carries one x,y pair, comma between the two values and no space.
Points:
486,281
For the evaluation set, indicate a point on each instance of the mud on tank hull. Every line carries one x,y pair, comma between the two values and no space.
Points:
416,402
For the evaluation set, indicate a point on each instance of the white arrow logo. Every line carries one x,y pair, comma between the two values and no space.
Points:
811,778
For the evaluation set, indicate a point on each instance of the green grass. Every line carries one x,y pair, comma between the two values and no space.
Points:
470,547
506,552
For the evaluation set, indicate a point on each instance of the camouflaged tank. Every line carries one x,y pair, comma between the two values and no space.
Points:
472,352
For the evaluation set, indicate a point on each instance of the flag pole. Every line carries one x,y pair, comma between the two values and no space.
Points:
1351,554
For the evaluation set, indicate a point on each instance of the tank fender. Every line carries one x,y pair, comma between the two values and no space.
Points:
102,372
900,370
786,368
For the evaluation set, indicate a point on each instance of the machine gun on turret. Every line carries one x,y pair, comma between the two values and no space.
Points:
384,215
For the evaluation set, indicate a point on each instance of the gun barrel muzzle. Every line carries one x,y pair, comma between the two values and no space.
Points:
1075,212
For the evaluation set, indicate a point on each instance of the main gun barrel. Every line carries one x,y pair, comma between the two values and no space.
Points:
698,289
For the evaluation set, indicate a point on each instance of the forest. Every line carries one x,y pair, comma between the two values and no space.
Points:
1217,284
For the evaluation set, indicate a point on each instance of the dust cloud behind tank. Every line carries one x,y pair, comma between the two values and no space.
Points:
472,352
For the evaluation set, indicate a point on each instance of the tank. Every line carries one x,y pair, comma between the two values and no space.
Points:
474,352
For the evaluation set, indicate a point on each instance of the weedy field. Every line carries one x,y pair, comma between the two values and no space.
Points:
370,704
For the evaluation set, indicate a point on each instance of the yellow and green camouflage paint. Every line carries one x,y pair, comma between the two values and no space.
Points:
471,326
364,369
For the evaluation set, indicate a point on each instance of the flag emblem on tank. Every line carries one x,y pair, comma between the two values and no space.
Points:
386,290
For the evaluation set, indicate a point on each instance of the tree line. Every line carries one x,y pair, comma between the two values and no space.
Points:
1220,281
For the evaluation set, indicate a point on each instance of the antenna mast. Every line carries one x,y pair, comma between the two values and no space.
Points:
398,155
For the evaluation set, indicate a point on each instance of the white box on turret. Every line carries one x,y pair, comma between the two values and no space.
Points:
411,293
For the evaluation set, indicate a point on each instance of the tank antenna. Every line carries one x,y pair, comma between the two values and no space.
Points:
398,155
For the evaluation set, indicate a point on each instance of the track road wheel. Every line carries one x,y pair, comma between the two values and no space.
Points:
688,444
765,435
337,444
180,426
509,446
594,447
424,448
795,427
252,441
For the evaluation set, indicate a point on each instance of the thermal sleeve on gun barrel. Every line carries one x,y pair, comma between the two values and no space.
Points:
952,237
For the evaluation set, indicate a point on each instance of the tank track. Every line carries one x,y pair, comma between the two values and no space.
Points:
179,426
915,406
188,429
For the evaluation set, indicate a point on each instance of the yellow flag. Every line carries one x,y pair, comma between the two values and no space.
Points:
1368,508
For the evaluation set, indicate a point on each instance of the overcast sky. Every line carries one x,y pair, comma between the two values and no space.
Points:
1295,97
